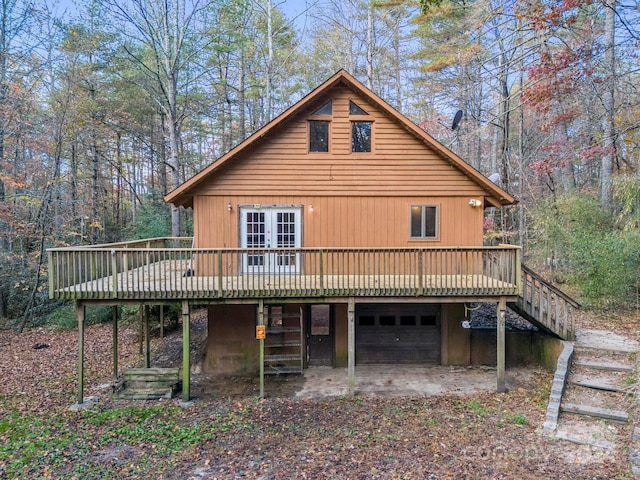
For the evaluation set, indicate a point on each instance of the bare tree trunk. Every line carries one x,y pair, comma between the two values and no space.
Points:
608,122
370,47
396,61
76,224
241,97
162,163
94,175
116,214
268,88
521,156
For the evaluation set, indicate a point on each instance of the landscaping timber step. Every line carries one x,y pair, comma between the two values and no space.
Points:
606,413
606,366
598,384
148,383
148,393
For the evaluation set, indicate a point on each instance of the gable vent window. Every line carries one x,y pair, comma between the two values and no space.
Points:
324,110
355,109
424,219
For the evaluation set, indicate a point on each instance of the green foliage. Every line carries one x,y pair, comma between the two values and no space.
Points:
517,418
626,194
585,242
31,444
478,408
135,425
63,317
153,219
426,5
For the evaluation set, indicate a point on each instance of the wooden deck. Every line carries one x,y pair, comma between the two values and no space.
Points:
127,272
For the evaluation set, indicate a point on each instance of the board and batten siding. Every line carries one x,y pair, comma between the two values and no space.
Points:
343,221
359,199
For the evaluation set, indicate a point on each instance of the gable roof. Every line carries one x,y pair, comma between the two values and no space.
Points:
183,195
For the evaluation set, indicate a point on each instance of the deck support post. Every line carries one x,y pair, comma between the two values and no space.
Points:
161,321
114,319
186,374
261,340
501,314
351,365
147,339
80,312
140,322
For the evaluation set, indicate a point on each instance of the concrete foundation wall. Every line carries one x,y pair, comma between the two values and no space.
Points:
232,348
342,335
522,348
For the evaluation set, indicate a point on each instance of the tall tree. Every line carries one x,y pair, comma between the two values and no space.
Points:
608,103
164,40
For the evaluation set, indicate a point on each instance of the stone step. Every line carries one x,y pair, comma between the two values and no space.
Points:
605,413
603,365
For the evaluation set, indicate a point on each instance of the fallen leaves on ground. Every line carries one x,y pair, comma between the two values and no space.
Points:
481,436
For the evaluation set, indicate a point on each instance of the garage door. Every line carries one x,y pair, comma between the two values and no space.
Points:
406,334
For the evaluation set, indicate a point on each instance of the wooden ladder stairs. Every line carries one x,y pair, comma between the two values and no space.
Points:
284,342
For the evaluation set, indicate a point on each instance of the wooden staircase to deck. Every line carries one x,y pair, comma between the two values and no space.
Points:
545,306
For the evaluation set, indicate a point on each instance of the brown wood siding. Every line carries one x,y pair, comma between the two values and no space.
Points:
344,221
400,164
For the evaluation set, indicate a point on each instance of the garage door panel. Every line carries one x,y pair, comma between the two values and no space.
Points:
410,339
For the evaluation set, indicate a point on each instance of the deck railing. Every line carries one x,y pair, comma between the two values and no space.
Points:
549,307
168,269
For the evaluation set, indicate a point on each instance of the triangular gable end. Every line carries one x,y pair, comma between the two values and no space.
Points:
183,195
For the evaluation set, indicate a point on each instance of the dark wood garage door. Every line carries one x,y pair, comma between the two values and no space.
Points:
397,334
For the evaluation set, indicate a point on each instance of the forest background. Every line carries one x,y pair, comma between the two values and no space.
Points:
107,105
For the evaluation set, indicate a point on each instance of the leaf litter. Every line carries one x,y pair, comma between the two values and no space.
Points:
232,434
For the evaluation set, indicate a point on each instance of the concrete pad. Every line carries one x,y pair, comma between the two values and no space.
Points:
407,380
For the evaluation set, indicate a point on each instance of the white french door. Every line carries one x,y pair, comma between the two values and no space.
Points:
270,227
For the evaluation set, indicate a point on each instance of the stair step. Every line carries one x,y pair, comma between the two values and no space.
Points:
147,393
608,414
582,440
277,370
282,358
291,343
598,384
607,366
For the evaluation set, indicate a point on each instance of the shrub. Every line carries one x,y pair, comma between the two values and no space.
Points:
586,242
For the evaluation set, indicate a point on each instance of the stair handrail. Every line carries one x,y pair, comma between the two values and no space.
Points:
526,270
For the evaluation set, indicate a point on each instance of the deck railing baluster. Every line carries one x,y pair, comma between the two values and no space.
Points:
135,272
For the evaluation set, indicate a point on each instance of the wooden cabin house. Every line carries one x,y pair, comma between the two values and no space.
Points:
340,170
341,232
